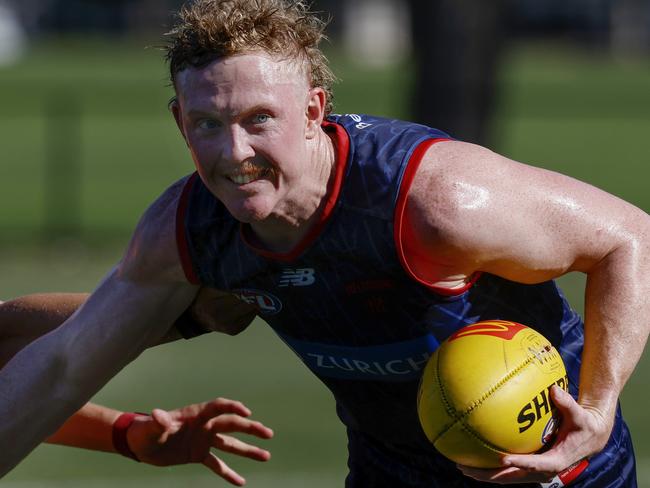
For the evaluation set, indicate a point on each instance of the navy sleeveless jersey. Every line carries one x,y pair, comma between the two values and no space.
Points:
345,303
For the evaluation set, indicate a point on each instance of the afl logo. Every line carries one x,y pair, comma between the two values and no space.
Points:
266,303
549,430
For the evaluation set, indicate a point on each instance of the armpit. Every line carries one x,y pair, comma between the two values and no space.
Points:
220,311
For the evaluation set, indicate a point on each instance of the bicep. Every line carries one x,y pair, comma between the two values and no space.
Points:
523,223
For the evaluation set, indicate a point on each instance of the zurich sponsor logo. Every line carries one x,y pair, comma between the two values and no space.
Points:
265,302
398,361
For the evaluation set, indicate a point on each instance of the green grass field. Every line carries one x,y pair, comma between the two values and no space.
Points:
575,112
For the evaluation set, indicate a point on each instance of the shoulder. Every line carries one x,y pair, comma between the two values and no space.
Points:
448,162
450,179
463,194
476,210
462,179
152,252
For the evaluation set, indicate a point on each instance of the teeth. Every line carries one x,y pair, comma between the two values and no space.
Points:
247,176
241,179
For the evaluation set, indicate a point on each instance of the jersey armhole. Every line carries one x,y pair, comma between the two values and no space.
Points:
402,230
181,234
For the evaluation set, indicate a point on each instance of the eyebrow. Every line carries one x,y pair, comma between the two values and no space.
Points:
199,113
257,108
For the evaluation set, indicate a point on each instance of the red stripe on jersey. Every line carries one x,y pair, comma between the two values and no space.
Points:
404,231
341,142
181,238
566,477
572,472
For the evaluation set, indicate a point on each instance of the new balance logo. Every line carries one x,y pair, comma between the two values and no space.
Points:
297,277
359,123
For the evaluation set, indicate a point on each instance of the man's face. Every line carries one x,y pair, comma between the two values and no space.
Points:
246,122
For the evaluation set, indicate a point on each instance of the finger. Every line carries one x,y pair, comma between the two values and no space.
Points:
220,406
548,463
235,423
236,446
506,476
555,459
482,474
166,424
162,418
220,468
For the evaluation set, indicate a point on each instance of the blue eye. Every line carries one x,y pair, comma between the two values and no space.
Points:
208,124
261,118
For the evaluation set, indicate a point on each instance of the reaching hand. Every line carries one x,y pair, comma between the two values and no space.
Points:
187,434
583,432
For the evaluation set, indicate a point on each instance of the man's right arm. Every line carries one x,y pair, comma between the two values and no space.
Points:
23,319
134,306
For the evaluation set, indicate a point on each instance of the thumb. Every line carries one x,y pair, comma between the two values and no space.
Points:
164,423
565,403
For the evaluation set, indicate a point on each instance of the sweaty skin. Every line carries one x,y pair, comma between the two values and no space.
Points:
163,438
249,115
253,127
530,225
134,306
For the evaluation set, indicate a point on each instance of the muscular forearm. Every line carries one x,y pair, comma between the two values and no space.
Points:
26,318
616,324
71,364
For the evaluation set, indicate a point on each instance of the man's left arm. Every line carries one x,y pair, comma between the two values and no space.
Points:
529,225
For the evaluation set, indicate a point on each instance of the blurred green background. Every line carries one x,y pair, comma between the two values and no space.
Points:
87,143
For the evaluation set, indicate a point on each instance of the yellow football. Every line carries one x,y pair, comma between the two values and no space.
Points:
485,392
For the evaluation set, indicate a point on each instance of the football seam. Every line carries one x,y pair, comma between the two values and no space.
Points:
459,417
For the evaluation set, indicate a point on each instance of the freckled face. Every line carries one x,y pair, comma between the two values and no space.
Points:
244,119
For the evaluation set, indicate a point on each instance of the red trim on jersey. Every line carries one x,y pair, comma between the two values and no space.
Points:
341,142
181,238
573,471
566,477
403,230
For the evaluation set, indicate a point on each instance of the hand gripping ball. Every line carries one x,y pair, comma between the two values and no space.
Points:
485,392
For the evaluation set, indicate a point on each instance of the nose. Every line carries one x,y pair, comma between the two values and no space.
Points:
237,145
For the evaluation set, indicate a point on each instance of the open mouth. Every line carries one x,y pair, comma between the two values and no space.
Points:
249,174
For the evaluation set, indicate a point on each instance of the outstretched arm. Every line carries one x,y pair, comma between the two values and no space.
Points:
23,319
165,438
473,210
134,306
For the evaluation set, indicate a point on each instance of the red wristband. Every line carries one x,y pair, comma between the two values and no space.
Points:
120,427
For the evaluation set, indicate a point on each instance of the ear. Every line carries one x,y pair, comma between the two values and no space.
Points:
175,107
315,111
